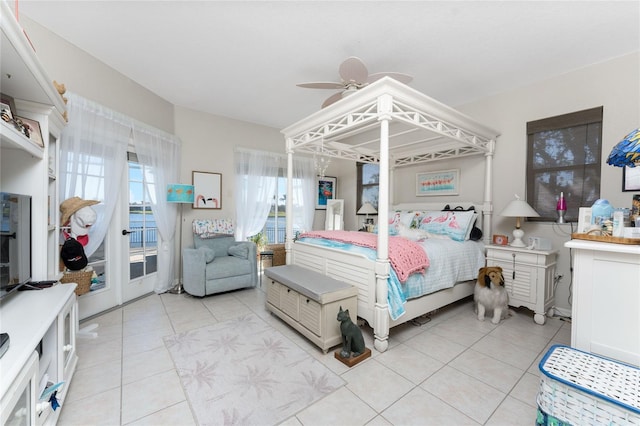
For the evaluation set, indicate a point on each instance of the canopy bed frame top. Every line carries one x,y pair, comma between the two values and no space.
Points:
393,125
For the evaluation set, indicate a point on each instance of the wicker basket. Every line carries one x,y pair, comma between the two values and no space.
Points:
580,388
81,278
279,255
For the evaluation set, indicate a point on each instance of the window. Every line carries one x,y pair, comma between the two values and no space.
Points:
368,177
276,223
564,155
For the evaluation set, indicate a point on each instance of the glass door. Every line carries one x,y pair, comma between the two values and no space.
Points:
141,234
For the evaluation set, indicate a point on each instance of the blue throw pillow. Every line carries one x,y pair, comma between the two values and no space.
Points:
239,250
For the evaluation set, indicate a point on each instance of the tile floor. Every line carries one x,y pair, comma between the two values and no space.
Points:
453,370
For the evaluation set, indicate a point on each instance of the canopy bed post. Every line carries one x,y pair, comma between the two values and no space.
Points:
289,204
487,208
381,321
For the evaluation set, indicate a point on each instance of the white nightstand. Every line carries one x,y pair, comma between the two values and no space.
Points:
528,276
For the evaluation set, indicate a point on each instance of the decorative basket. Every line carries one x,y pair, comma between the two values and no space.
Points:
81,278
580,388
279,255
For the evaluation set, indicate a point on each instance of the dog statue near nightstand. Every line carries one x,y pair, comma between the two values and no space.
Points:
490,296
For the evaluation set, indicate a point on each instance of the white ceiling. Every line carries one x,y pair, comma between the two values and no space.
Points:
243,59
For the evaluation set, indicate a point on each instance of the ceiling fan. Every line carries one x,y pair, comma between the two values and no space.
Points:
355,76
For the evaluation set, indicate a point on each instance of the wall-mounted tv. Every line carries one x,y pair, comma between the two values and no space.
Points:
15,242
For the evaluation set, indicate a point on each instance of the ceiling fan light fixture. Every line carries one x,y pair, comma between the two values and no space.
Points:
354,76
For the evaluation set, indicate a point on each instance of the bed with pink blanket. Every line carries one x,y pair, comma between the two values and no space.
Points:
392,125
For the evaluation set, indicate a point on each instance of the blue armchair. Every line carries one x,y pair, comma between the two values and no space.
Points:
215,265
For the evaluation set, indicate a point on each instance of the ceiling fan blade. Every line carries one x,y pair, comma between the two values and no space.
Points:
353,70
402,78
321,85
332,99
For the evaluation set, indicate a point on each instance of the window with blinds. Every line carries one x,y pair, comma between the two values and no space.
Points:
564,155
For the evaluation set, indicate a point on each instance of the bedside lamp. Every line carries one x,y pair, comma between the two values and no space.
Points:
367,209
518,208
183,194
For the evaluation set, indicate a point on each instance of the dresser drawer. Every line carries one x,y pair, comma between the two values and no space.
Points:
273,293
526,258
289,302
311,315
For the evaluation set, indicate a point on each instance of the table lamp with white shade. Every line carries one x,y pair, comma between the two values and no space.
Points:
519,209
367,209
182,194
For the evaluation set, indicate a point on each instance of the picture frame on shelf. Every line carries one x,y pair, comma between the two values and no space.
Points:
630,179
443,182
207,190
7,108
35,134
326,190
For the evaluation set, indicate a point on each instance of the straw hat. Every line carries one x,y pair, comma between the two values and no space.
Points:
71,205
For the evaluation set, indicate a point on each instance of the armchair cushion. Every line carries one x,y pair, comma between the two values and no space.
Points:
239,250
209,254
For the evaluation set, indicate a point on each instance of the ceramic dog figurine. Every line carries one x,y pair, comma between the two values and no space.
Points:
489,295
352,340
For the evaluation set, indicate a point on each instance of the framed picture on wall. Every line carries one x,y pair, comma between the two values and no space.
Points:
207,190
326,190
443,182
630,178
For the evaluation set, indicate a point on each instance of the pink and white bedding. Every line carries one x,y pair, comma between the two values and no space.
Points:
406,256
449,262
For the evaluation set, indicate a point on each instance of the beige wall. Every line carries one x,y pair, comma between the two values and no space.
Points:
208,140
85,75
614,85
207,145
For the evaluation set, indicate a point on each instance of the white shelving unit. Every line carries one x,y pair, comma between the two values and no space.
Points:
24,165
42,324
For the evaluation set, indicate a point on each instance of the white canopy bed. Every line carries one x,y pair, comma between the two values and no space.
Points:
393,125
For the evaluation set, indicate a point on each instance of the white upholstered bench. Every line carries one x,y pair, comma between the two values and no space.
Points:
309,302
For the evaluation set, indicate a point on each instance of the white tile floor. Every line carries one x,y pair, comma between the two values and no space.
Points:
453,370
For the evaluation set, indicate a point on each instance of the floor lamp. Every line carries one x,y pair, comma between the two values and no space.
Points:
183,194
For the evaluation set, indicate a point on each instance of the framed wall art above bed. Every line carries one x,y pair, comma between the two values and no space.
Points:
326,190
443,182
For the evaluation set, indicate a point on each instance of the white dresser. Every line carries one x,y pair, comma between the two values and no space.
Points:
606,299
528,276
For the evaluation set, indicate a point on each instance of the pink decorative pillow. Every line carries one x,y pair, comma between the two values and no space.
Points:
456,225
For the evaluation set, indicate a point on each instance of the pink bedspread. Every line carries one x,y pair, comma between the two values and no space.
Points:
406,256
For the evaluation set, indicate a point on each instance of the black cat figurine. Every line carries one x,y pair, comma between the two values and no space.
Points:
352,340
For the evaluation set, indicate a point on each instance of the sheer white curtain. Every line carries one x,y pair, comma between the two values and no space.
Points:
160,152
93,160
93,157
256,179
304,193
